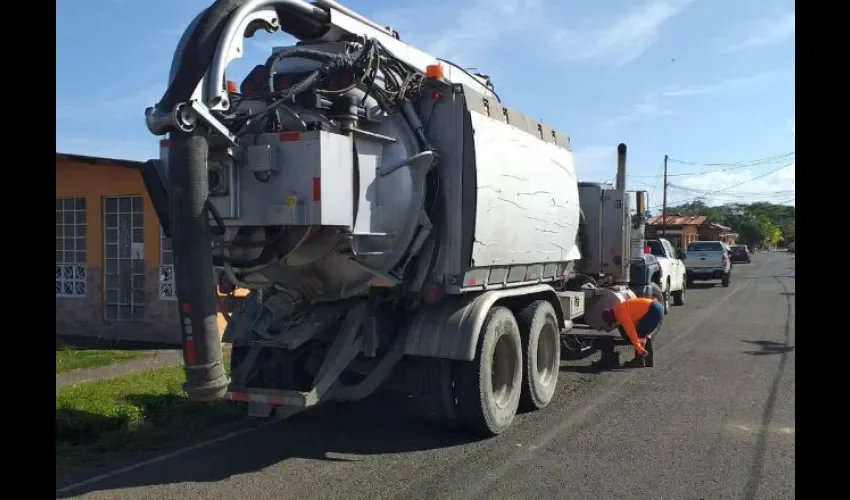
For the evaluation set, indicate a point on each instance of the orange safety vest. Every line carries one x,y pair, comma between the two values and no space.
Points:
628,314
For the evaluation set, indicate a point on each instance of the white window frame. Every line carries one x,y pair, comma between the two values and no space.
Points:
71,276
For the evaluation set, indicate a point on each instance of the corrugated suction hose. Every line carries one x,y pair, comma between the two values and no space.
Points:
206,379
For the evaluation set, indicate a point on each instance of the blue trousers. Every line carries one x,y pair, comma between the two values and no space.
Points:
651,320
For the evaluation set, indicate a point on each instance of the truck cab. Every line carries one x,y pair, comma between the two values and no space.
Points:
670,275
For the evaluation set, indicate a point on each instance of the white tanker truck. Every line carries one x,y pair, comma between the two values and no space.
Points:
393,220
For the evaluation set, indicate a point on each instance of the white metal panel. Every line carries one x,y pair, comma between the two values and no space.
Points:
528,205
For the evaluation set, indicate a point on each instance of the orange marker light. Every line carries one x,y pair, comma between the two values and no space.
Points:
231,87
434,72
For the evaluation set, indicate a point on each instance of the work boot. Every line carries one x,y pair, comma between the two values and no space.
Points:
637,362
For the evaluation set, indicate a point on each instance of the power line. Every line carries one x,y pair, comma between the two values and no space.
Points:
728,166
768,159
736,193
711,193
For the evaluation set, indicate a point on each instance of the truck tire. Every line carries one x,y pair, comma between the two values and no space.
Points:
488,387
679,295
433,389
541,351
662,297
724,282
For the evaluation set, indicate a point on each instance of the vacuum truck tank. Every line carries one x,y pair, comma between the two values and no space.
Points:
392,219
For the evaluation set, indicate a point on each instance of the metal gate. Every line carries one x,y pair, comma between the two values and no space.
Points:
124,258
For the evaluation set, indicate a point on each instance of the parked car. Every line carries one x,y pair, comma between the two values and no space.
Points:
707,260
671,275
740,253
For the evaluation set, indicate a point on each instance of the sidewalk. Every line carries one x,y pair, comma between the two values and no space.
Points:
159,359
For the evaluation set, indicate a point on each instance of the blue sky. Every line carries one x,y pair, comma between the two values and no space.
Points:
708,82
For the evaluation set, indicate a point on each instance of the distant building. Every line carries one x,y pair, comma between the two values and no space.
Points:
680,229
114,268
683,229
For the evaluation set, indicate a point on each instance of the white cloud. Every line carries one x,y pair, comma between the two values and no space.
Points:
771,31
622,40
648,106
743,186
720,87
464,34
596,163
652,104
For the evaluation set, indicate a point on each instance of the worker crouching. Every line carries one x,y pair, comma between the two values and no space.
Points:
638,319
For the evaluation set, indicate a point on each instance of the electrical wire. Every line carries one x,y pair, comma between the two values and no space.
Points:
711,193
758,161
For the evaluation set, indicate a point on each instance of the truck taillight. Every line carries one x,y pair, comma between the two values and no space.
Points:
723,259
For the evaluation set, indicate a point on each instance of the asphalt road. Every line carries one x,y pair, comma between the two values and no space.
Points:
713,420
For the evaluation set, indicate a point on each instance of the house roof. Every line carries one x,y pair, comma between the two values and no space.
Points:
678,220
720,226
96,160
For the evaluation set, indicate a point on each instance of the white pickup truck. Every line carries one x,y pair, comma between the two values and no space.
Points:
708,260
671,275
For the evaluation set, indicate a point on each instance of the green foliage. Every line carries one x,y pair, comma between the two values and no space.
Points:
756,223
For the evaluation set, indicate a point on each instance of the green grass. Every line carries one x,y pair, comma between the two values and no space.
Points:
70,358
129,413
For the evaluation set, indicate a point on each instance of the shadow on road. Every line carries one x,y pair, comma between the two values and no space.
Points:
339,432
702,286
768,347
756,474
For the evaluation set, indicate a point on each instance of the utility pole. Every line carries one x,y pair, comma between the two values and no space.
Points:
664,203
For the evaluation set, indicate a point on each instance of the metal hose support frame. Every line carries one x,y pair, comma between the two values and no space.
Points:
206,379
197,71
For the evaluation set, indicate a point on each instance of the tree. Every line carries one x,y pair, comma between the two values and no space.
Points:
751,232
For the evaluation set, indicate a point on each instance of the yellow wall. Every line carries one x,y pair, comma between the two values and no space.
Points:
93,182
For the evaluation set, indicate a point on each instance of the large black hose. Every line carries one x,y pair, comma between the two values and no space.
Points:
206,378
192,245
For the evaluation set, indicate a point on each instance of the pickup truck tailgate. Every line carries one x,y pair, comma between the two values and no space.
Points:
699,260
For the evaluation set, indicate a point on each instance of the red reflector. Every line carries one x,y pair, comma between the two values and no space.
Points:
317,188
432,294
646,250
436,96
239,396
187,308
275,400
290,136
164,143
190,351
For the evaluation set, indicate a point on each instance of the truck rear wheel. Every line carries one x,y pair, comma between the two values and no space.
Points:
433,389
488,387
541,350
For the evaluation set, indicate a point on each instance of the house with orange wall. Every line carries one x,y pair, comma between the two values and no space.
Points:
114,267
